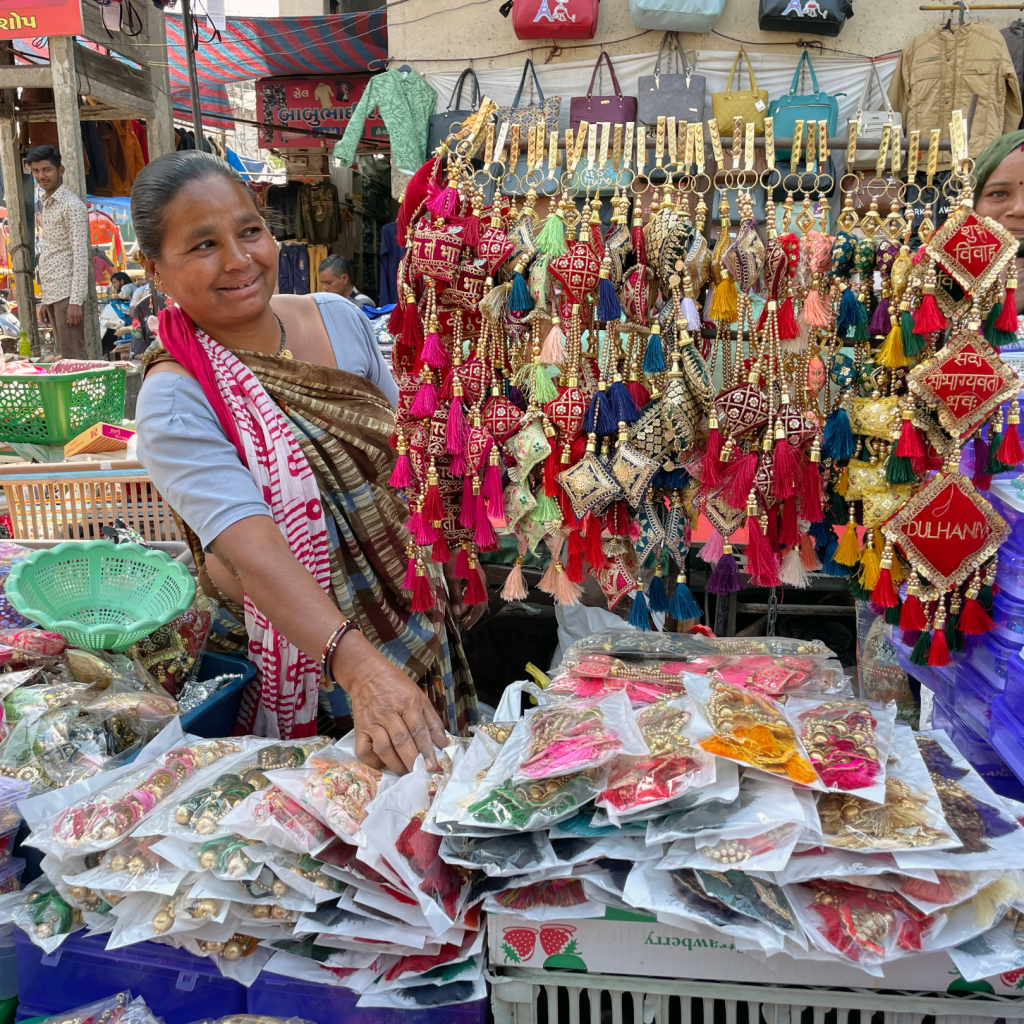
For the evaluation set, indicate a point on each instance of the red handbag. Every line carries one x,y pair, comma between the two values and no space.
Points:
617,109
554,19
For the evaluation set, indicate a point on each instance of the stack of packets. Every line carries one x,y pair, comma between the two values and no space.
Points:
121,1008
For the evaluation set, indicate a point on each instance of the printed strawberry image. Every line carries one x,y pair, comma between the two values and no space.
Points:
518,944
557,942
1013,979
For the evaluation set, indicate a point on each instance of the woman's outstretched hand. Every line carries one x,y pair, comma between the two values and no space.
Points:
394,721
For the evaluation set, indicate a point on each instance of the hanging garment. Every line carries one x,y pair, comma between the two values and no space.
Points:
96,177
282,210
940,70
391,254
317,254
293,270
1014,37
318,221
405,102
140,133
134,160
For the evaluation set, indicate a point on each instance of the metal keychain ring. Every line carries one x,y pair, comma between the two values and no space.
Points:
766,182
644,180
657,170
790,188
705,188
856,183
824,176
743,181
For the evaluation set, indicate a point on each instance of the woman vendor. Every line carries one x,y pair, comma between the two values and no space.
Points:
264,421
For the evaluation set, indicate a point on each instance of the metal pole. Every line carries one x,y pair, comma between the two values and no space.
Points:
193,80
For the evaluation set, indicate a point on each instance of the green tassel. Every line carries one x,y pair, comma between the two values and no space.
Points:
544,390
912,343
859,592
994,465
919,655
546,510
837,512
552,236
898,470
985,598
954,638
892,615
995,337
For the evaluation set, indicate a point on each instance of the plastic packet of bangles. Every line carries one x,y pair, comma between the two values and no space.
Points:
130,716
394,834
426,994
847,741
646,681
866,927
986,834
141,916
240,958
340,924
305,875
672,730
30,701
264,919
11,681
252,1018
115,1009
267,890
763,900
271,816
999,950
196,810
41,913
231,856
677,897
463,960
335,786
130,866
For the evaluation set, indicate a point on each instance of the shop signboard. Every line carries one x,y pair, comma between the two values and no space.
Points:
33,18
321,104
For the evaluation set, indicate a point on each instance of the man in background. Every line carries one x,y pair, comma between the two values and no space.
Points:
64,252
336,277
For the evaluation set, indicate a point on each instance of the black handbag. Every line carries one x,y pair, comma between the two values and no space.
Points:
679,95
441,124
819,17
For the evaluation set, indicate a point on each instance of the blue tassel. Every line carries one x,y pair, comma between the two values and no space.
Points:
608,307
837,442
519,300
638,613
822,534
622,402
676,478
600,418
656,596
654,355
683,605
848,315
829,566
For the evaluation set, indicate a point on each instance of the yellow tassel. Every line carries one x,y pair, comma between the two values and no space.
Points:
891,353
848,552
843,483
723,303
897,569
870,567
993,899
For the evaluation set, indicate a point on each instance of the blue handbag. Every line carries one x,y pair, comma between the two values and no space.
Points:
815,106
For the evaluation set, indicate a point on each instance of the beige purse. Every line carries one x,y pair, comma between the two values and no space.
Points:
750,104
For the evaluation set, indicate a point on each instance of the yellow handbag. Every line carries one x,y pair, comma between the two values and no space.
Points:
750,104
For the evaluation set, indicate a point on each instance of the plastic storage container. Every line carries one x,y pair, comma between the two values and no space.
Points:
984,757
1010,506
1004,734
217,716
1008,615
1013,693
924,674
274,995
8,964
1010,573
176,985
973,699
990,657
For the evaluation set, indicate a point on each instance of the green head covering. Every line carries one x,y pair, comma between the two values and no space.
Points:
992,156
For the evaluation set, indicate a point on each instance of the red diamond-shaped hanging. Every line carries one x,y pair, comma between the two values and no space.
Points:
495,248
567,411
973,250
475,376
964,382
578,270
501,417
947,530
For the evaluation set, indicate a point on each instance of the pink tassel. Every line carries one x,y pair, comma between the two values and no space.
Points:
423,530
814,312
462,564
492,491
760,558
434,354
401,475
789,532
483,535
440,552
467,513
811,493
410,575
515,586
566,592
787,469
709,470
713,548
425,403
739,478
444,203
553,350
547,581
456,428
640,395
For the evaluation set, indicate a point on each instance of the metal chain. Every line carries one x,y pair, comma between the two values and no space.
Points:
773,611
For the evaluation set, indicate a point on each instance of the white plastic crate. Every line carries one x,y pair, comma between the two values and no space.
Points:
550,997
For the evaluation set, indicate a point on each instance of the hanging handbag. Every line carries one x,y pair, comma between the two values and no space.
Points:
815,106
871,122
440,125
820,17
676,15
750,104
617,109
553,19
545,110
680,95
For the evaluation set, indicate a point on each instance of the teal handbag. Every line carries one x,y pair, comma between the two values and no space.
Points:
815,106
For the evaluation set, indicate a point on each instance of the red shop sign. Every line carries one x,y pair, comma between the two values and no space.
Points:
41,18
321,104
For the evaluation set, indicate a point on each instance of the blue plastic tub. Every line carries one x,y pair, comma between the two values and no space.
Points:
218,715
991,656
981,754
176,985
973,701
277,996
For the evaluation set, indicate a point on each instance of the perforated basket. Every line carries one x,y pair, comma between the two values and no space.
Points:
54,408
98,594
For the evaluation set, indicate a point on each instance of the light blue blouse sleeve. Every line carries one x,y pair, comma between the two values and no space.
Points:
355,346
193,464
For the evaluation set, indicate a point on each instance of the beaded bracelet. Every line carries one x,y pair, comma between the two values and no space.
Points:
332,645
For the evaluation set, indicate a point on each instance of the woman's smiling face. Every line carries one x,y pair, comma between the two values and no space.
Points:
218,261
1002,198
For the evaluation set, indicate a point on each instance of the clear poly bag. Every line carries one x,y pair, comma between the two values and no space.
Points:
110,1010
550,899
817,861
133,865
427,995
130,716
272,817
143,916
763,900
240,958
267,889
672,730
947,890
978,914
644,680
44,915
500,856
305,875
229,856
1000,950
988,835
469,765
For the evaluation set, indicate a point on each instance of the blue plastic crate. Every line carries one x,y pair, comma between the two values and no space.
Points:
277,996
217,716
176,985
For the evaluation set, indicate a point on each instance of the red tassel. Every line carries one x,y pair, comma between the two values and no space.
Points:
640,395
909,445
412,331
434,354
471,230
929,317
639,242
762,318
565,507
552,467
786,469
912,615
710,475
788,327
618,519
422,594
593,547
812,493
462,564
401,475
1010,452
476,592
974,620
574,568
467,511
938,654
884,592
457,428
440,552
1007,319
433,510
422,530
789,532
395,320
738,479
760,560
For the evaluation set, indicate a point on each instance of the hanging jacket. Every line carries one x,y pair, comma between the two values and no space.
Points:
1014,37
405,102
939,70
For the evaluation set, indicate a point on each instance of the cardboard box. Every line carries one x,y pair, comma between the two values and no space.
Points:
100,437
637,944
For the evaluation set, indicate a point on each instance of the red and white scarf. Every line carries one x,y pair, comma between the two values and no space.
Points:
289,681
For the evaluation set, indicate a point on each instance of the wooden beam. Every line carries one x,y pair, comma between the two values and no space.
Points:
23,76
107,79
20,246
160,127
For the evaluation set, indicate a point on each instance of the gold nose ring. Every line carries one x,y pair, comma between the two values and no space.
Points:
248,257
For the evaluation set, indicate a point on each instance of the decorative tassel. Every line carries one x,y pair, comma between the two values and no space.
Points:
891,353
974,620
938,653
739,478
401,475
566,591
519,299
829,565
811,493
760,558
467,507
808,553
884,593
476,592
574,565
553,350
593,547
657,598
793,573
434,354
912,614
786,321
547,581
985,597
551,239
515,586
954,638
848,315
789,532
483,536
912,343
1010,452
600,418
712,549
870,567
723,305
879,324
837,442
422,592
608,308
492,305
625,410
410,574
979,476
444,202
412,330
457,429
638,615
995,442
640,395
422,530
683,607
654,354
928,317
462,563
433,510
919,655
993,335
709,465
726,577
1008,314
440,552
848,552
814,313
425,403
899,470
493,498
787,469
543,390
470,230
690,314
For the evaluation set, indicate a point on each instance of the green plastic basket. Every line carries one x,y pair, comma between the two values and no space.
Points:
54,408
98,594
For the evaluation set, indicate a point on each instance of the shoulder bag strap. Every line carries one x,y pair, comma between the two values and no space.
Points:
456,97
750,70
603,55
732,73
814,77
881,88
528,66
666,38
687,70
